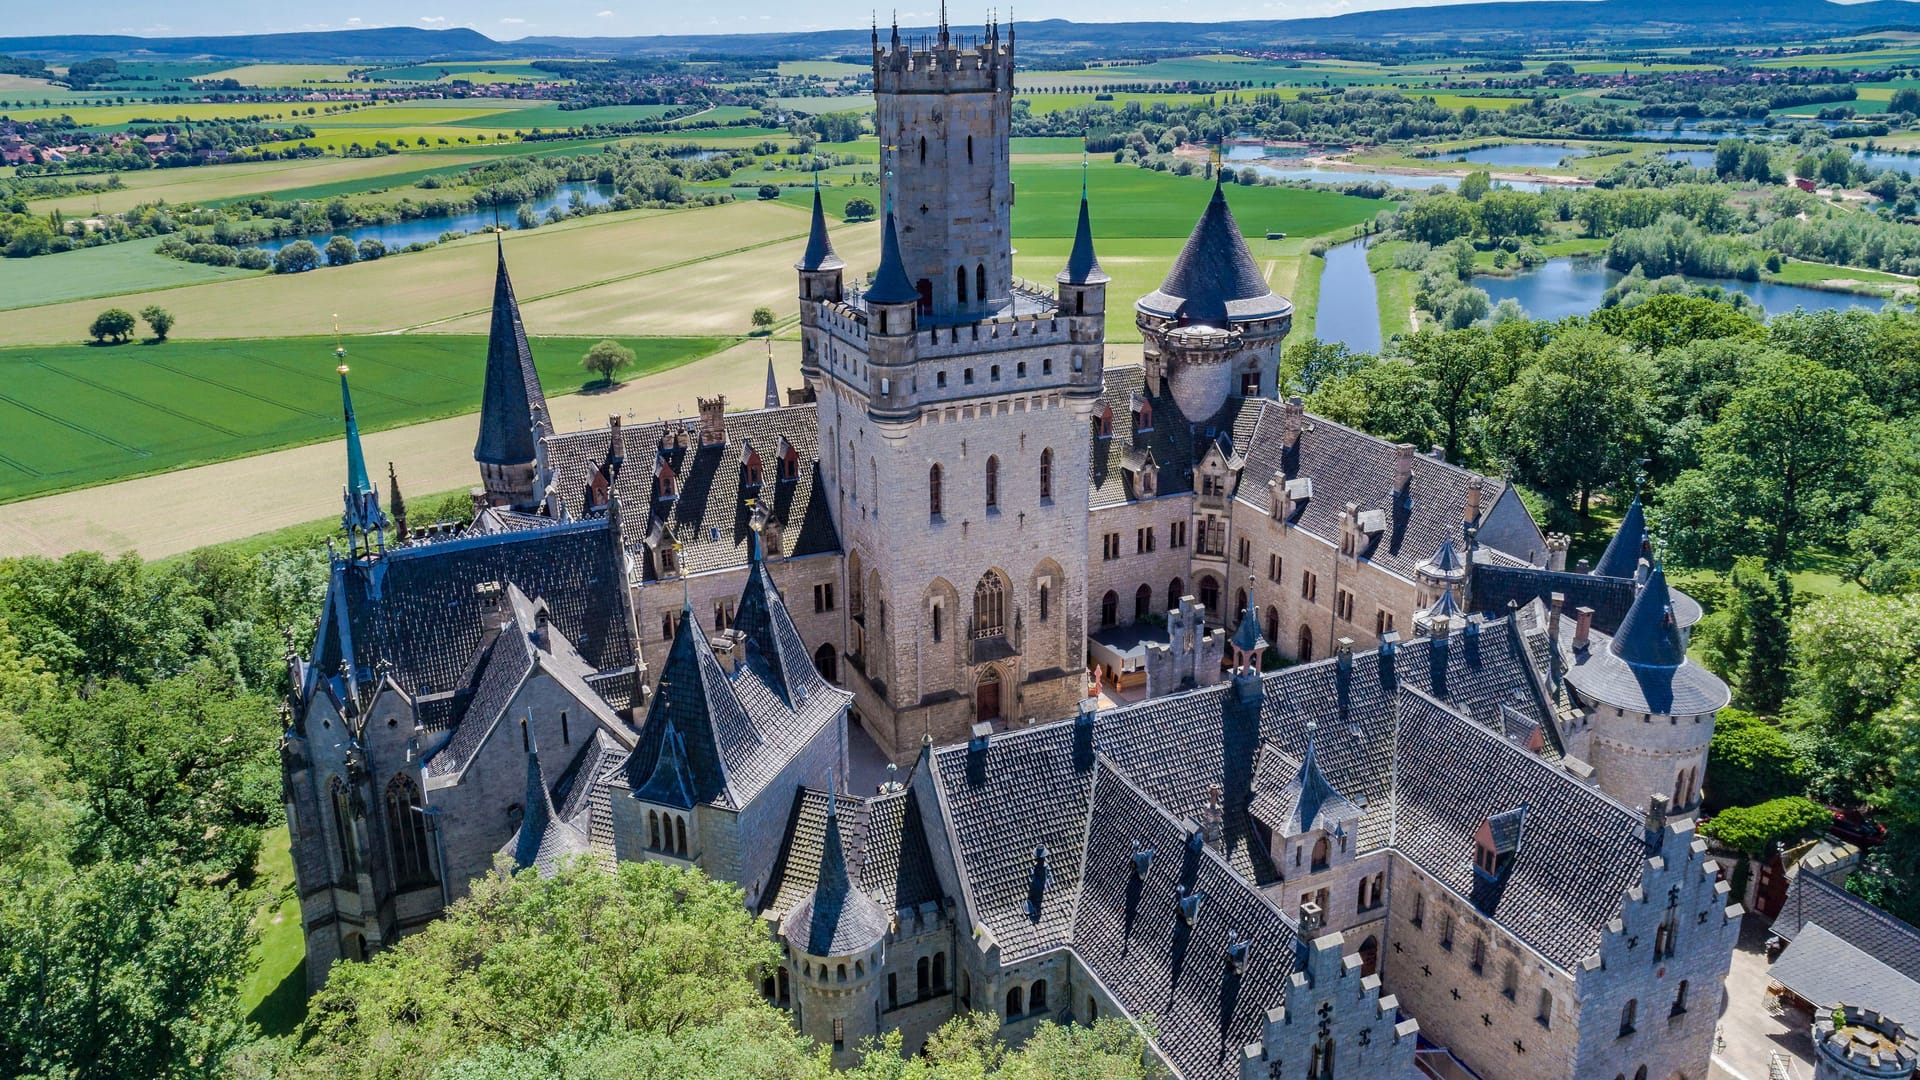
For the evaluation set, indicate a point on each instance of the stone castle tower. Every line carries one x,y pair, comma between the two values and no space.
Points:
954,407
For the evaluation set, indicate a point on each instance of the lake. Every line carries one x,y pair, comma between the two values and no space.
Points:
1249,152
429,229
1518,155
1349,311
1415,181
1883,159
1568,286
1699,159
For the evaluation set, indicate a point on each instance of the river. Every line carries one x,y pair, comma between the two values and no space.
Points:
429,229
1568,286
1349,311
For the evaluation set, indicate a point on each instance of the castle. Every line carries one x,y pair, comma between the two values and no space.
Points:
1454,818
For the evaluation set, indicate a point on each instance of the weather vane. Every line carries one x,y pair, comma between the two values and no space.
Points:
339,347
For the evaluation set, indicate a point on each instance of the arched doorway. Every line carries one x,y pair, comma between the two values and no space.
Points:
827,663
1305,651
1210,596
1142,604
1110,608
1369,957
986,696
1175,590
1273,625
1239,603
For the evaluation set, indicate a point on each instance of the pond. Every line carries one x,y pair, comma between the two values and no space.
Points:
1568,286
1414,181
1255,152
1886,159
1349,310
1699,159
429,229
1518,155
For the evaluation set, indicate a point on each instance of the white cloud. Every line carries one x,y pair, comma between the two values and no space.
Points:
603,15
354,21
433,20
513,22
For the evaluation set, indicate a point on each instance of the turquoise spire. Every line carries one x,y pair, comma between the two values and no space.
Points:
363,515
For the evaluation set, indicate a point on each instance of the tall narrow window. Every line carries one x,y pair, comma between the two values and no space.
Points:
1046,596
1110,608
1627,1015
923,149
1046,473
1680,999
993,483
1142,604
1014,1003
343,829
680,836
989,606
980,282
933,491
960,284
1545,1012
407,825
969,149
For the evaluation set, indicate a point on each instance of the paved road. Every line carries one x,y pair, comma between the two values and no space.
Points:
178,511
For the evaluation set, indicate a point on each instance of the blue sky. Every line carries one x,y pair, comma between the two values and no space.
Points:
503,19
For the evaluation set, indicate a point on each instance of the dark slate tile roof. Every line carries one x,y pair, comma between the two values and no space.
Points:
835,917
1644,667
1130,931
1812,899
710,515
503,668
1173,443
1492,585
734,731
1629,543
819,254
1303,801
886,842
1083,266
1214,280
1829,971
421,609
512,392
576,787
890,283
1579,854
543,838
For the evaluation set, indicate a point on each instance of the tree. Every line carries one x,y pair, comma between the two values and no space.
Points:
1436,219
649,949
1755,829
605,358
859,209
159,320
1781,469
1384,398
1905,100
296,257
1576,419
1853,657
114,323
1668,319
371,249
763,319
1309,363
340,251
1475,185
1750,761
769,192
1459,372
1762,610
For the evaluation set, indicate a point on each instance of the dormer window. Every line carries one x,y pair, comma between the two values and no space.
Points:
663,482
751,467
789,461
666,559
1103,422
1497,842
1142,416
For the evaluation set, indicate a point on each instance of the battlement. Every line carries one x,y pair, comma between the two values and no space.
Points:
943,65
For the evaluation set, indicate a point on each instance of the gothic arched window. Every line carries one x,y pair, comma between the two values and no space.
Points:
1014,1000
960,283
1037,996
343,828
1175,590
407,828
989,606
980,282
1142,604
1046,473
993,483
1210,595
1110,608
933,491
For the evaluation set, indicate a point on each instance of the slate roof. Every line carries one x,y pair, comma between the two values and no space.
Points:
1813,900
504,666
710,514
1829,971
1644,667
886,845
422,608
1492,584
726,736
1173,443
1629,543
890,283
1580,852
512,392
1083,266
1304,802
835,917
819,254
544,838
1214,280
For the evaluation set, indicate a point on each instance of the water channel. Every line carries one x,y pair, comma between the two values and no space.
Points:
1349,311
1518,155
428,229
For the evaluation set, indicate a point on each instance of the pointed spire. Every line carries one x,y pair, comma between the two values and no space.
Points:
836,918
1248,638
537,815
1215,280
1083,267
362,515
1622,557
1317,804
773,384
820,255
1446,560
357,481
943,24
1649,636
512,400
890,283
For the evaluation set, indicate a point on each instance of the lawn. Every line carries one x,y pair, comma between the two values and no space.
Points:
208,184
1047,104
79,415
275,994
100,271
1396,289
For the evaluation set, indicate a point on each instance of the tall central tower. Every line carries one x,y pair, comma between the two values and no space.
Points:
944,111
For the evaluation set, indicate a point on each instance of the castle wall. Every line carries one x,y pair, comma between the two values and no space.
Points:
1635,755
1133,568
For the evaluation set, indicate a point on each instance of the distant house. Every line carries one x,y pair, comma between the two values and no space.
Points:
1843,950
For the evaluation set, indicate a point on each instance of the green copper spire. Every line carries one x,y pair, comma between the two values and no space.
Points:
357,482
363,515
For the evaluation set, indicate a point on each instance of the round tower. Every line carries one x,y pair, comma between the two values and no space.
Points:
836,943
1862,1045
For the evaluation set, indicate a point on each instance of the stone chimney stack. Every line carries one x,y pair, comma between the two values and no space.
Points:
1557,551
1474,490
1582,626
1555,601
617,444
713,424
1295,411
542,628
1403,468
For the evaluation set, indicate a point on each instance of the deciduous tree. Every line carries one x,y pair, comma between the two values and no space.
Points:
606,358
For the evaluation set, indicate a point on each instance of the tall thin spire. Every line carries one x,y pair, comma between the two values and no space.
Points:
943,24
1083,266
819,255
890,283
773,384
363,515
512,400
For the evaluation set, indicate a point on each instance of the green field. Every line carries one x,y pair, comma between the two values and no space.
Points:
283,74
132,266
78,415
496,70
275,994
549,115
826,69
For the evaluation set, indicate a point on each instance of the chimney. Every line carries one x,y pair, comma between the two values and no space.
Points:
1083,734
1656,821
977,753
1343,648
1309,919
1295,411
542,635
1584,566
713,423
1442,629
1403,467
1389,650
617,444
1582,626
1555,601
1474,486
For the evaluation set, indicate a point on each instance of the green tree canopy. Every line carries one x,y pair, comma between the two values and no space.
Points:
1751,761
158,319
115,324
1384,398
1755,829
606,358
1577,419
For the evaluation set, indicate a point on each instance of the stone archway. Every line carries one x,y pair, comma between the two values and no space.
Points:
987,705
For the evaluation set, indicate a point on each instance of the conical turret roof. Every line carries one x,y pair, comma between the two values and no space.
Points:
1083,266
890,283
1215,280
358,482
512,391
836,918
1645,669
820,254
1247,637
543,839
1311,800
1622,557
